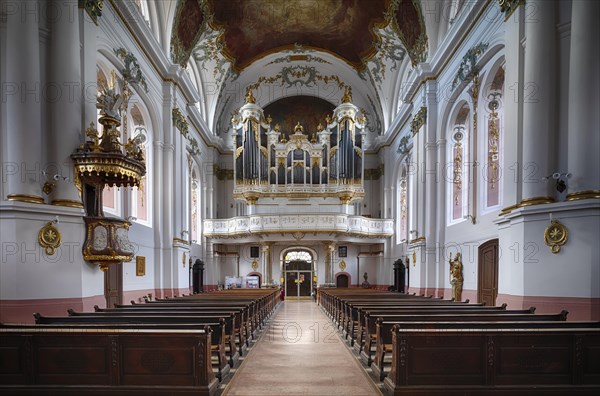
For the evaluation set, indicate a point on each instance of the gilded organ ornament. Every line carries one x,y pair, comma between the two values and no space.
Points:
556,235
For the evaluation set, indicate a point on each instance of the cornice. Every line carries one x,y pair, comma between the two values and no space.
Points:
457,35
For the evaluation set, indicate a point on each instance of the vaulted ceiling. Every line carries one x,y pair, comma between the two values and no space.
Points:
241,43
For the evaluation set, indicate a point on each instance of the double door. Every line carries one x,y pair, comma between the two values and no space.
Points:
298,283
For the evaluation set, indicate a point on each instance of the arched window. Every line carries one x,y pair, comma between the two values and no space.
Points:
458,166
298,255
141,197
492,150
111,196
195,205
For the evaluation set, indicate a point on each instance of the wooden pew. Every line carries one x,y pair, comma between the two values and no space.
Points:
365,323
220,327
241,316
232,319
36,360
382,339
354,324
470,358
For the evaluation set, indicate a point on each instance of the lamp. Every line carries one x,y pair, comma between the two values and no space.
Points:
561,180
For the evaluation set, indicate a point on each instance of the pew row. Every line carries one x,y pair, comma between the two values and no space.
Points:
463,358
219,326
37,360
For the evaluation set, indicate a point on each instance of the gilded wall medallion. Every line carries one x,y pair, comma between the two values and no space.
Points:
555,236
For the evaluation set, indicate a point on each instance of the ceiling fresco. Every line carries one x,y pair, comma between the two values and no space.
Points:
297,44
252,29
256,28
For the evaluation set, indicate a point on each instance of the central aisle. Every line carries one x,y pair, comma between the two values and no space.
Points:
300,354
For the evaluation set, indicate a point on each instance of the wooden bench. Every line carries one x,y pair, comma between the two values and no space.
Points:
478,358
382,340
35,360
220,326
241,316
365,326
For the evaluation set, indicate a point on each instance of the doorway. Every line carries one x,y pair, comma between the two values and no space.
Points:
298,274
341,280
487,280
113,285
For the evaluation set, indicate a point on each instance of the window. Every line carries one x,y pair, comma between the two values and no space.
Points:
492,149
298,255
458,166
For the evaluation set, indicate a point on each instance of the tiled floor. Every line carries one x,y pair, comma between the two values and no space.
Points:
300,354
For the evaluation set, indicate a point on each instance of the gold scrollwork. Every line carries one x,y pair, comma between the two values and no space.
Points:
254,265
49,238
555,235
342,265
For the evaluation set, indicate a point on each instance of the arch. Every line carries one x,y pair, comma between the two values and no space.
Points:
345,274
254,273
141,198
457,172
312,252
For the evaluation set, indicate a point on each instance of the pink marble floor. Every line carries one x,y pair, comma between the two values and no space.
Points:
300,354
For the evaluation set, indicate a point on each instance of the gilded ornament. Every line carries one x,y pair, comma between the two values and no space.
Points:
347,98
93,8
249,96
48,187
414,258
555,236
49,238
509,6
468,68
342,265
254,265
140,266
418,120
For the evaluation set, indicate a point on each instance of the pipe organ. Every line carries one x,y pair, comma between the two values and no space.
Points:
327,162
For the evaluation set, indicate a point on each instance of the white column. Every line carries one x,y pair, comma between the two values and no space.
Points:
266,264
66,112
584,96
23,96
514,29
539,121
167,188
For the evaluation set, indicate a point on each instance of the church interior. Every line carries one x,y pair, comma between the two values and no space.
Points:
253,164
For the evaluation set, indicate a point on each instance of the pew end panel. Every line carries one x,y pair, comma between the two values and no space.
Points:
466,361
73,361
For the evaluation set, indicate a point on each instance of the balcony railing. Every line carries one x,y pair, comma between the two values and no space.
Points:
340,224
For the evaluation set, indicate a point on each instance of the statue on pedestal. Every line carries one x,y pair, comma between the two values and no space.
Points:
365,284
456,276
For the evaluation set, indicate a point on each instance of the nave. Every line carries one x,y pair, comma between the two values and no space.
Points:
300,353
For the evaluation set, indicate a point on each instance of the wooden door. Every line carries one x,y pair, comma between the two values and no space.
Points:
304,281
291,287
341,281
113,285
487,283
